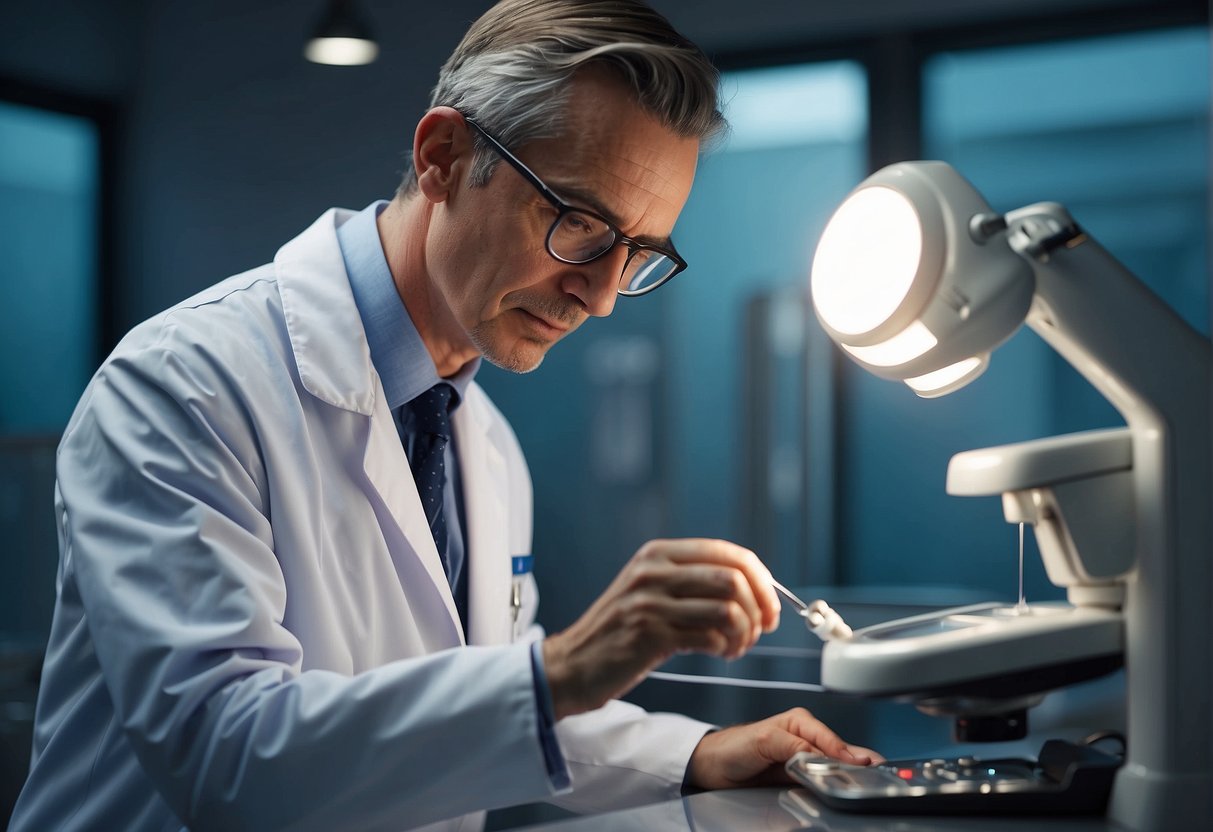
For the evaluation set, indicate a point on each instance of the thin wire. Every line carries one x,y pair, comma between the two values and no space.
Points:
1022,606
725,681
789,652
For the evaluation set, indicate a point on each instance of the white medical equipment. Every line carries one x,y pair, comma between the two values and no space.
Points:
919,281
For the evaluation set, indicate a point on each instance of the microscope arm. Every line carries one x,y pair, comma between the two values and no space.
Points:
1077,492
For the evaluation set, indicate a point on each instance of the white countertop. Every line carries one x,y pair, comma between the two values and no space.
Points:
786,809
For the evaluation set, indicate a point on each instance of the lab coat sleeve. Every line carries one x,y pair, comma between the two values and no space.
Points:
164,514
618,755
621,755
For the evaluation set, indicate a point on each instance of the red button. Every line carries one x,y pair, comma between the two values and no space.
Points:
905,773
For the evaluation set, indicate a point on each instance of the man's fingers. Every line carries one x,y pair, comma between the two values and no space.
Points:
757,578
694,580
699,613
865,756
754,754
699,580
674,596
778,746
812,729
701,550
696,640
687,619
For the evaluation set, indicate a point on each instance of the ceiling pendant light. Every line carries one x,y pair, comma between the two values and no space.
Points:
342,38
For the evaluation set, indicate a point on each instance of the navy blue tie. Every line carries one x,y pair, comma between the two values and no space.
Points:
431,423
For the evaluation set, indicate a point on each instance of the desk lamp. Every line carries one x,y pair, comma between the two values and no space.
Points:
918,280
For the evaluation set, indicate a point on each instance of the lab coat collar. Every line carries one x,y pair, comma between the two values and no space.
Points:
401,358
322,319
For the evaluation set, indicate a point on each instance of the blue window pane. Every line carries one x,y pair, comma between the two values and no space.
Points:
798,144
1114,128
48,262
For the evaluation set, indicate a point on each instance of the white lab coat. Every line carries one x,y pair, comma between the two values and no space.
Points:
253,628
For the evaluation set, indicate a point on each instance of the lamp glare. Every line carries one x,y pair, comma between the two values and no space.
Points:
905,346
867,260
341,51
950,378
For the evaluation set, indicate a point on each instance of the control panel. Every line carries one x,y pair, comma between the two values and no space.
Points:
1065,779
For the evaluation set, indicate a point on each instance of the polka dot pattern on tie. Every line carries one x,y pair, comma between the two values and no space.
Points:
431,418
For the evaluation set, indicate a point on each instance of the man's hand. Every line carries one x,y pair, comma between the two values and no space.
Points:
673,596
754,754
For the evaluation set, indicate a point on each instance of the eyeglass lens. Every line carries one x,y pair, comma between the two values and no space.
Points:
577,237
645,269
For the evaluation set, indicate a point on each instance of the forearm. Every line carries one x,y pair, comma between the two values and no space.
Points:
396,745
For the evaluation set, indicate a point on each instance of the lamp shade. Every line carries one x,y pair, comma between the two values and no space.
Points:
342,38
907,289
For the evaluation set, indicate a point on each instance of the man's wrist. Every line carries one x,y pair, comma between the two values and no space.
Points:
689,785
556,670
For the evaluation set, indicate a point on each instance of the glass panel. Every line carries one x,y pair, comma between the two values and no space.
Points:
48,262
751,380
1115,128
48,302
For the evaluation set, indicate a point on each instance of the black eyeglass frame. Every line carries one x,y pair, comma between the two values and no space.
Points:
563,208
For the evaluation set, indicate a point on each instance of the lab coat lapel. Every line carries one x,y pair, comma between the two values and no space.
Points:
485,487
388,469
335,366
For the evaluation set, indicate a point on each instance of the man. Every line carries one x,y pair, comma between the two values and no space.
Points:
290,520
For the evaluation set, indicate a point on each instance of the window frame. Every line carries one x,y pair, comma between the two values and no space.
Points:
105,117
894,61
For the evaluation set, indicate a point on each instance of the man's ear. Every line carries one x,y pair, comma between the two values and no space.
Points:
442,152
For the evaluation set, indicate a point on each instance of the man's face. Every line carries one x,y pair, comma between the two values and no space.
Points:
487,258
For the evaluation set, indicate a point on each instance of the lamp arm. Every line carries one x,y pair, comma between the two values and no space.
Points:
1155,369
1102,319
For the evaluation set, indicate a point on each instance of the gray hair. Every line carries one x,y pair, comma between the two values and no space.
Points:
512,70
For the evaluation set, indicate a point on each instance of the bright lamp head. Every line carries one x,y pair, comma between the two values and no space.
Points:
907,290
856,285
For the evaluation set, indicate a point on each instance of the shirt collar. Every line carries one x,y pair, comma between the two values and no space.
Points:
397,351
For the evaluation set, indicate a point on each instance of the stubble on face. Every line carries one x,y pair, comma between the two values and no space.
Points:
523,354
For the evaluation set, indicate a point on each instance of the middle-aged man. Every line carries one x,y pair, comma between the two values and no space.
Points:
295,534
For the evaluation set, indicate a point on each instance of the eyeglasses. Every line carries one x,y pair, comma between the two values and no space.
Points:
578,236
